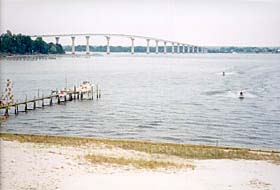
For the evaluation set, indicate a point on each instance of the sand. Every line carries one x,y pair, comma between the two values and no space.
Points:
36,166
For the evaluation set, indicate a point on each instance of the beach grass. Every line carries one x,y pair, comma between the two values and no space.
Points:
185,151
137,163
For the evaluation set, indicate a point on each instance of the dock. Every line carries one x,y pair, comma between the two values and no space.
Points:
56,97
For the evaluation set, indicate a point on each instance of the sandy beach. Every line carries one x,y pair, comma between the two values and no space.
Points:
28,165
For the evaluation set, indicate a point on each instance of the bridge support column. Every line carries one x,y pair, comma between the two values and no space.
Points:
156,46
87,44
56,39
108,44
197,50
164,50
73,44
148,46
184,48
132,45
178,48
172,47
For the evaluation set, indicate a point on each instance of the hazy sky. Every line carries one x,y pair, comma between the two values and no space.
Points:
201,22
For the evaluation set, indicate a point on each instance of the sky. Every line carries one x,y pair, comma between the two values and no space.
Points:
199,22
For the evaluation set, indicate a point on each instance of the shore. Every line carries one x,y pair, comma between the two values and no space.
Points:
45,162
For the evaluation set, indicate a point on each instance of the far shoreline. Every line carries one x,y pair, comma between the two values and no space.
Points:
98,54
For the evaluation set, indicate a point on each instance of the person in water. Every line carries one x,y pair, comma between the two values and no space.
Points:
241,95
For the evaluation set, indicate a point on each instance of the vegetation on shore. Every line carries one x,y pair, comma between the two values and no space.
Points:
171,149
143,49
137,163
22,44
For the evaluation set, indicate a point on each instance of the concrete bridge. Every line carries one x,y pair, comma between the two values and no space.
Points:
179,46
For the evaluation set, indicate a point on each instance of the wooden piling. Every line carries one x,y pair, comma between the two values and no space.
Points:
75,92
97,90
65,99
58,99
25,108
6,112
34,104
43,101
51,101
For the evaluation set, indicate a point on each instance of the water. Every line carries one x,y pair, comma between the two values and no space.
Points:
180,98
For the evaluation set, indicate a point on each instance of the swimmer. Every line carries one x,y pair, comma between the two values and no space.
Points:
241,95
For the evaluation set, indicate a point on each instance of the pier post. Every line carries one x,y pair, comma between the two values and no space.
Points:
34,103
108,44
156,46
178,48
25,108
6,112
87,43
43,101
58,99
148,46
172,47
184,48
164,50
51,101
16,109
132,45
82,96
73,44
92,92
75,92
70,97
65,98
97,91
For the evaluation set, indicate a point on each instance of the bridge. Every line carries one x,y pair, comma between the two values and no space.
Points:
179,46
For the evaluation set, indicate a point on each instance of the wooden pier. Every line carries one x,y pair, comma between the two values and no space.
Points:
54,98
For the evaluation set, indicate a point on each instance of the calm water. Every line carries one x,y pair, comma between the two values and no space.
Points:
183,99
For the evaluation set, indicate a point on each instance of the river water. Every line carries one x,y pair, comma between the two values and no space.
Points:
172,98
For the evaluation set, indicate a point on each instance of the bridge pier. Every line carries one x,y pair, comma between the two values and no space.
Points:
56,39
197,49
172,47
73,44
156,46
87,45
132,45
184,48
108,44
164,50
192,49
178,48
148,46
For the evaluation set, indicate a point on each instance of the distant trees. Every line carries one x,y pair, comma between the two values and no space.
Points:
22,44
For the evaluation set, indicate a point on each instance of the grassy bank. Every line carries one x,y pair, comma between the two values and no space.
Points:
171,149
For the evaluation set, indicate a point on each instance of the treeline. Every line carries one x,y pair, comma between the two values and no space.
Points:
244,50
22,44
142,49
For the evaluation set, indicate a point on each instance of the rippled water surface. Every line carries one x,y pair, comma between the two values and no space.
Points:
183,98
